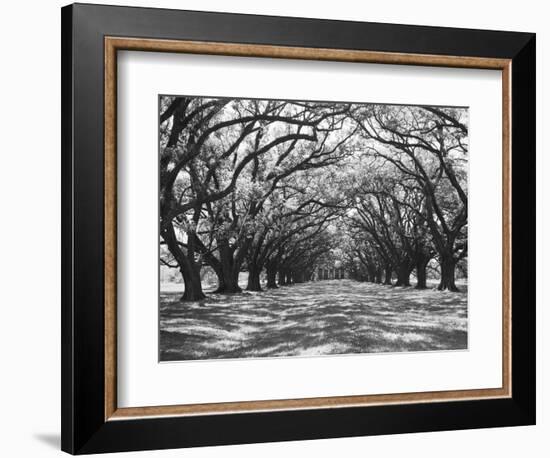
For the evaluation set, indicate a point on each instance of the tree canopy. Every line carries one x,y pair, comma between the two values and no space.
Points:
284,187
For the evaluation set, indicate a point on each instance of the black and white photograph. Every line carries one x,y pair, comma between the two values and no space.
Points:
265,229
310,228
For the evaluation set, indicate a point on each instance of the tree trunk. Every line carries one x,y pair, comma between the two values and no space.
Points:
387,275
217,268
271,277
253,278
421,266
193,287
189,269
403,275
229,281
447,282
282,278
371,274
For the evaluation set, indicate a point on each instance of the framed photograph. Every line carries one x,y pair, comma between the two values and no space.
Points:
284,228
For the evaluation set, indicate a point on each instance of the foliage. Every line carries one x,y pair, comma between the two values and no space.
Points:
286,186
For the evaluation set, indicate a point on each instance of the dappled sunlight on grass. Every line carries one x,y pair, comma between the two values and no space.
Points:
315,318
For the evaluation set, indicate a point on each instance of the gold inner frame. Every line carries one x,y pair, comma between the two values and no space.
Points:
112,45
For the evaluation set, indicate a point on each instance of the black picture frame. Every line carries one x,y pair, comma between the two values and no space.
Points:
84,428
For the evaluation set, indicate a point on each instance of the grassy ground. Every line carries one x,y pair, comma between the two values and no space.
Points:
315,318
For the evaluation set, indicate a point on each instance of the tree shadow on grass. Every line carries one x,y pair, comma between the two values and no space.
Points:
316,318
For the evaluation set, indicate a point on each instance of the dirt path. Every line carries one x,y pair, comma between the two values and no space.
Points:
315,318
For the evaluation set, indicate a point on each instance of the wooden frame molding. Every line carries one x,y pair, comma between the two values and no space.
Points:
111,46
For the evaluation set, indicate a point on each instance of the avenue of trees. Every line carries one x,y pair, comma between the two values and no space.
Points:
279,188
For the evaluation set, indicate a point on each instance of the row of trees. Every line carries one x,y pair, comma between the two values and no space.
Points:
411,202
241,184
277,187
